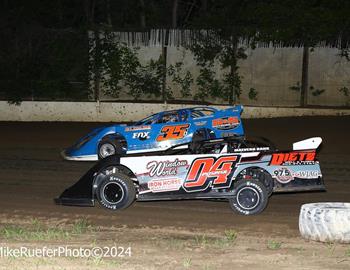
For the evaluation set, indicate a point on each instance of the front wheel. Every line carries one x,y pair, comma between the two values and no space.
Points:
116,191
111,146
250,197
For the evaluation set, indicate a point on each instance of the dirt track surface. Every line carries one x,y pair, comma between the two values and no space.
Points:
33,173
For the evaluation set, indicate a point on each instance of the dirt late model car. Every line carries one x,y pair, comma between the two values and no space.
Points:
242,172
158,132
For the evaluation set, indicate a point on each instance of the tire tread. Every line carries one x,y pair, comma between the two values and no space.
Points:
325,222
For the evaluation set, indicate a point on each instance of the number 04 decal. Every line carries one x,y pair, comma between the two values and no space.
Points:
206,171
173,132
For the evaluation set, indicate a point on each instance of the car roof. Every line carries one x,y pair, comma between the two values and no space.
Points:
188,109
202,108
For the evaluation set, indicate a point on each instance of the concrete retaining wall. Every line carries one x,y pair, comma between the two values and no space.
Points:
119,112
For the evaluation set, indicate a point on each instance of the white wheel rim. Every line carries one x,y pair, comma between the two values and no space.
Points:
257,200
106,150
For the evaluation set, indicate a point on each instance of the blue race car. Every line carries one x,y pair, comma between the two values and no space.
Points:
158,132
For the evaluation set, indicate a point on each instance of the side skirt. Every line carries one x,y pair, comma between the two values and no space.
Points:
185,196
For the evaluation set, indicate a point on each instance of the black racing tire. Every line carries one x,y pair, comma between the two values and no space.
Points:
250,197
116,191
265,178
109,146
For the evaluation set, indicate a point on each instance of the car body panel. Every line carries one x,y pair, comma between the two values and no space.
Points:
161,131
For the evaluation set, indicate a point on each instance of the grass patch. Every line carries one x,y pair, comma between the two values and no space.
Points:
231,235
221,243
197,241
81,226
208,267
37,231
19,233
172,243
187,262
228,239
274,245
300,249
347,252
175,243
201,240
331,247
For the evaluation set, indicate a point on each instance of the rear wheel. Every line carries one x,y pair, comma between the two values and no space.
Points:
116,191
256,173
250,197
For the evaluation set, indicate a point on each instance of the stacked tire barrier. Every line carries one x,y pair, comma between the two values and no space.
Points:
325,222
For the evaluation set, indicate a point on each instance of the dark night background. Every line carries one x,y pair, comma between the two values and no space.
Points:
44,44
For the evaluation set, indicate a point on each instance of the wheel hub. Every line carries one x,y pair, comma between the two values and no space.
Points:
113,193
106,150
248,198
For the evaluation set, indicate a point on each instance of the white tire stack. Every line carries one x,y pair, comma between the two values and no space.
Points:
325,222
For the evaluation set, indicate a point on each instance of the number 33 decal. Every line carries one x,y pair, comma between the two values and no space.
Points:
173,132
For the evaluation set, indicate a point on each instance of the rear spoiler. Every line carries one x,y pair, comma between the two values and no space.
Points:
236,108
308,144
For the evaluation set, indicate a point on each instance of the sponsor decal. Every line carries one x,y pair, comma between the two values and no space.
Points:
210,171
293,158
134,128
201,123
253,149
165,168
143,135
283,175
162,185
307,174
227,134
173,132
226,123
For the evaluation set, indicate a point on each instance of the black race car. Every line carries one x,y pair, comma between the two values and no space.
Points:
243,172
